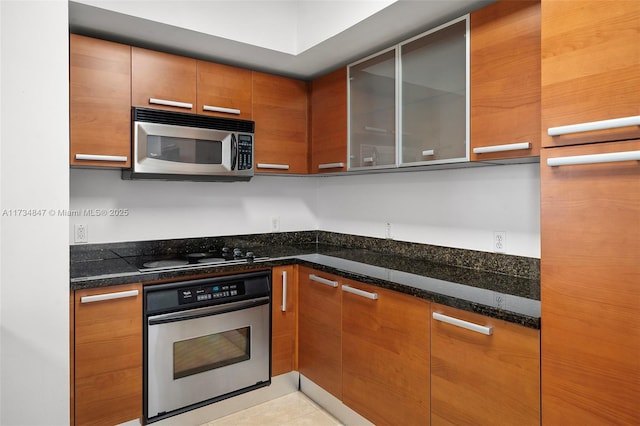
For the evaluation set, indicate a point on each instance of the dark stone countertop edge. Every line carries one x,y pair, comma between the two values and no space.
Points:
166,276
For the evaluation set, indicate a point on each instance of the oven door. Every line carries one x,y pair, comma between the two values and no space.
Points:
197,356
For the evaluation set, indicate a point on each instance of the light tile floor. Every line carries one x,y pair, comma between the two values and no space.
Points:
294,409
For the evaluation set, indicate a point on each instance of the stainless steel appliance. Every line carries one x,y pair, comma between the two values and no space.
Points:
205,340
178,146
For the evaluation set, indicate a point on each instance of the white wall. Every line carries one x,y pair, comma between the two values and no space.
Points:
166,210
34,262
455,208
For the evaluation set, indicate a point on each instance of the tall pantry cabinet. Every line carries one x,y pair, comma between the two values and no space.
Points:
590,212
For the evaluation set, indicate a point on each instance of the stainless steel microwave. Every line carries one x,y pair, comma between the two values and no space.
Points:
178,146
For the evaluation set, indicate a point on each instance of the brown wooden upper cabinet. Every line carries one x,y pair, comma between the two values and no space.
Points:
329,123
505,81
280,107
162,80
590,71
224,91
99,103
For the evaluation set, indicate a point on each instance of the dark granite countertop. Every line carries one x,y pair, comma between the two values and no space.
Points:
508,297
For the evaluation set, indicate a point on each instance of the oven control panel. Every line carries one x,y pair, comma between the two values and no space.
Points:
212,292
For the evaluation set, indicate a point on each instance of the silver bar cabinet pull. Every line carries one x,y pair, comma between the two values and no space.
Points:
501,148
97,157
613,123
284,291
273,166
220,109
108,296
314,277
331,166
166,102
357,291
463,324
613,157
428,152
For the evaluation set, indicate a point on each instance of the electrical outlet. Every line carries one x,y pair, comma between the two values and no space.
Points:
275,224
500,242
80,233
387,230
500,300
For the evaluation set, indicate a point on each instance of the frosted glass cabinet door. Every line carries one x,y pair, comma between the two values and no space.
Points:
372,112
433,96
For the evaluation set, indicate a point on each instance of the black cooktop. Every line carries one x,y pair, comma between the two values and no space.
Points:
221,256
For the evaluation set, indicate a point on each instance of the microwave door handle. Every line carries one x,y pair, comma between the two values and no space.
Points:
234,151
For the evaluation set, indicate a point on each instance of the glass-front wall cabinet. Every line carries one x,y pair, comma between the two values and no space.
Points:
434,96
372,112
408,106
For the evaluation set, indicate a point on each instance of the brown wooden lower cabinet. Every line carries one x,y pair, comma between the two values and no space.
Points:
320,329
284,293
108,355
385,354
479,379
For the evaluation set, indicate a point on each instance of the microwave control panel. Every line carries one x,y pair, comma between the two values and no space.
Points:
245,152
210,292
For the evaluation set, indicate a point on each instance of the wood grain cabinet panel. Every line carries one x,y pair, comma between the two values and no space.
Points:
160,78
319,330
284,319
329,123
385,355
590,63
479,379
99,102
227,87
505,80
108,357
280,110
590,287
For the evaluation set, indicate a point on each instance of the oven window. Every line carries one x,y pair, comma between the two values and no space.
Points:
184,150
212,351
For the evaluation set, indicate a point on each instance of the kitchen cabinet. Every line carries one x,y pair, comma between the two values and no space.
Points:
108,355
408,105
284,319
224,91
329,123
372,112
484,371
280,110
505,81
590,246
320,329
433,93
385,354
99,103
590,78
163,81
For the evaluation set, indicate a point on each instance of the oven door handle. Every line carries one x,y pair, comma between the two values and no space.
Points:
207,311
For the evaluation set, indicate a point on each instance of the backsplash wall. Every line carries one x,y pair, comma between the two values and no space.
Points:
454,208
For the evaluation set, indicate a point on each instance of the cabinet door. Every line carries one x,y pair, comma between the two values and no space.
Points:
224,91
590,276
372,112
163,81
108,355
434,96
505,80
482,379
283,317
319,329
329,123
590,62
385,355
99,103
280,111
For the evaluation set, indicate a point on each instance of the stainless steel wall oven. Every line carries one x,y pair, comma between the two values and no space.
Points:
205,340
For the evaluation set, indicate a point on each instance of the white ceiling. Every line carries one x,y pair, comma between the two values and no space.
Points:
296,38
